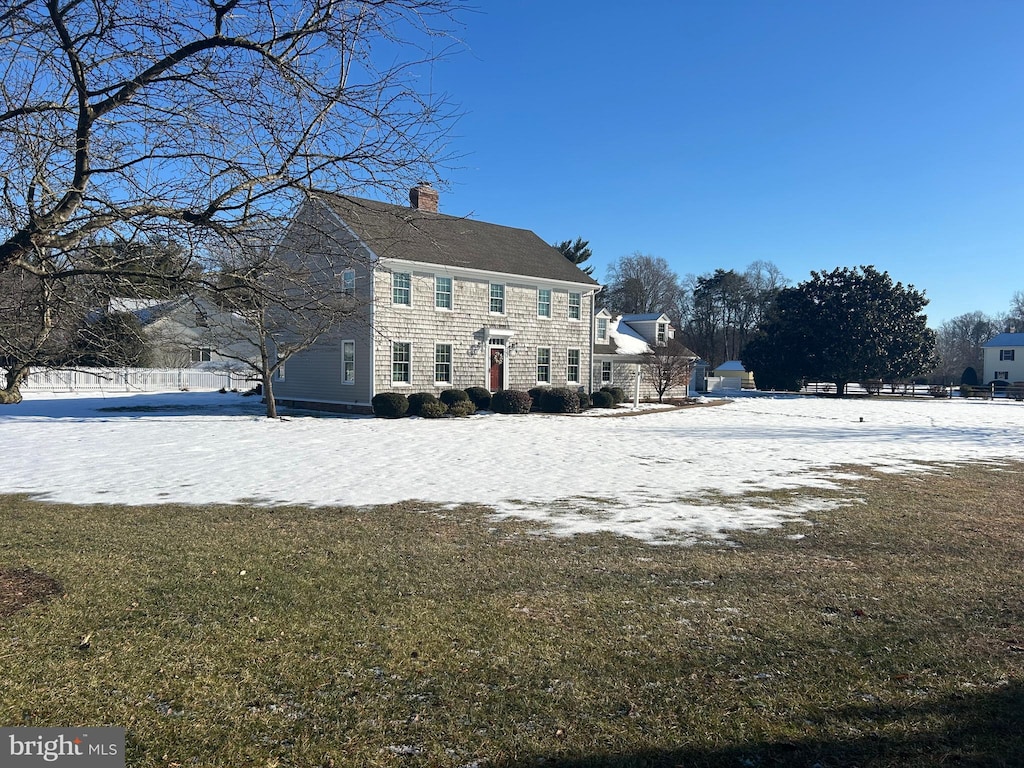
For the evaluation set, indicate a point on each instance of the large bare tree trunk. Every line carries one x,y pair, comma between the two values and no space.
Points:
11,395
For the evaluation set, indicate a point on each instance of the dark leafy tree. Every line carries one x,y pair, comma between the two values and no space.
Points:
842,326
577,251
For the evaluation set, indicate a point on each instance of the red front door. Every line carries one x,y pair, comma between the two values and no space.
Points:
497,368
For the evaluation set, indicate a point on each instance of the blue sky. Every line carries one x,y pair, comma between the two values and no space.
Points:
813,134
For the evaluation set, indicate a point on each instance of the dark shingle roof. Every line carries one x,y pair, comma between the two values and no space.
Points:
397,232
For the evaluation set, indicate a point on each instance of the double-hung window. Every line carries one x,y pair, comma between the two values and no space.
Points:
1006,354
606,372
401,362
572,368
348,282
497,299
575,303
201,354
443,363
543,365
443,292
348,362
543,302
662,333
602,329
401,288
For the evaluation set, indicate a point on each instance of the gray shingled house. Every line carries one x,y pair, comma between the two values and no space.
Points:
438,301
621,346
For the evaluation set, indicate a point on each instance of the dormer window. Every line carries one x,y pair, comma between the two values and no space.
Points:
662,336
602,329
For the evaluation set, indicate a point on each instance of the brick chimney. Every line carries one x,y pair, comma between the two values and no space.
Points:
423,197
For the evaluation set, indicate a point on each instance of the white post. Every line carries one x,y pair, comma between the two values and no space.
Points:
636,388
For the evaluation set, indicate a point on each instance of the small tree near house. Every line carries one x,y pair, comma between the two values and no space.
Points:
668,366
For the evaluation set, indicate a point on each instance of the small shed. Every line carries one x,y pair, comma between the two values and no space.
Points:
733,369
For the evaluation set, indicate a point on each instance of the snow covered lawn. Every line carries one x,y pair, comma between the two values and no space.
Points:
665,476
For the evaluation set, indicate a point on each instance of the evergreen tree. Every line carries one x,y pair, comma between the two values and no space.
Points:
844,326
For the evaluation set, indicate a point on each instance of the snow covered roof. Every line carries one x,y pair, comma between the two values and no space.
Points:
625,339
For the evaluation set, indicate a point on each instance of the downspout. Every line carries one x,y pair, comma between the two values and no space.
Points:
591,334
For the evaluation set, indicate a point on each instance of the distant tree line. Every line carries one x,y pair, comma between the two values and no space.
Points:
847,325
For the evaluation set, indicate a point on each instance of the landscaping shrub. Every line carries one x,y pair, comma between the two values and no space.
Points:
480,397
537,394
937,390
560,400
461,408
511,401
603,399
618,394
433,409
1016,391
418,400
390,405
966,390
452,396
584,399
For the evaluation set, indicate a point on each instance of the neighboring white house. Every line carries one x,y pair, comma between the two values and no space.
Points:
1004,358
621,343
438,302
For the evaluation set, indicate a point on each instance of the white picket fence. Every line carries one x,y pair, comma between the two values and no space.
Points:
134,380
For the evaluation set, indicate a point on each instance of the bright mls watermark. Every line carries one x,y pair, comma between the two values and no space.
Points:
72,747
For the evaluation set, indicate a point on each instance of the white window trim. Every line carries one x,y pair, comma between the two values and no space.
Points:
598,336
538,364
451,364
579,365
490,298
345,290
394,382
451,293
609,364
394,288
551,298
345,381
568,311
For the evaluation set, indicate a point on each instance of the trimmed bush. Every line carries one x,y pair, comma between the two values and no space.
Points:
418,400
480,397
433,409
584,399
560,400
511,401
966,390
462,408
1016,391
618,394
603,399
452,396
390,405
537,394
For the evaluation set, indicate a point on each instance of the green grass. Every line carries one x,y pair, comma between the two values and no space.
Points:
891,634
